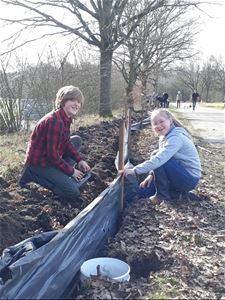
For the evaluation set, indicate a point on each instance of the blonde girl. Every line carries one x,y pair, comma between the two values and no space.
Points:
175,167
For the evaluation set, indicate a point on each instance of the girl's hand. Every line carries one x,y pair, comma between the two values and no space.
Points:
126,172
146,182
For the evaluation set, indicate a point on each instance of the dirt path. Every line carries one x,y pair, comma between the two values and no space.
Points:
208,123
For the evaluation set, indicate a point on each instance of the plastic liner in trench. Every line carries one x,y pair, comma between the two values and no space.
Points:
46,266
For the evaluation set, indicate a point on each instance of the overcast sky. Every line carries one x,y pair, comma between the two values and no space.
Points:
211,40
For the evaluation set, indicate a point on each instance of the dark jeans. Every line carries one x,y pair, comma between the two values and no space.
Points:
62,185
171,179
194,104
163,103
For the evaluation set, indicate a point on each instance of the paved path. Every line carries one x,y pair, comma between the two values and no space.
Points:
208,123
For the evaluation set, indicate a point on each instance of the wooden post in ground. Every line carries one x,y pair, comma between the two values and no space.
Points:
128,132
121,162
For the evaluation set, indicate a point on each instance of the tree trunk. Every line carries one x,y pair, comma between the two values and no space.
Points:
144,79
132,78
207,94
105,109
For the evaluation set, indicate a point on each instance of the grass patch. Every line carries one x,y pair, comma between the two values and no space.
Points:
12,152
166,288
219,105
187,124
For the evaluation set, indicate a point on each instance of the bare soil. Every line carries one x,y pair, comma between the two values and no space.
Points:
175,250
26,212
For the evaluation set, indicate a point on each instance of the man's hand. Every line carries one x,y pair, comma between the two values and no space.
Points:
77,175
146,182
83,166
126,172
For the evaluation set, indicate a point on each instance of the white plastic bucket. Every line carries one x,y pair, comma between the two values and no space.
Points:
110,267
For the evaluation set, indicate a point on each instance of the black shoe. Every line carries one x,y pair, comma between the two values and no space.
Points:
193,197
175,196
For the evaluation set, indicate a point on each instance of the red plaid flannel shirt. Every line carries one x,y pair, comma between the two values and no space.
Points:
50,140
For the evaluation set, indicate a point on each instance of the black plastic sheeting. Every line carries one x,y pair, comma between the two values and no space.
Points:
47,272
136,127
46,266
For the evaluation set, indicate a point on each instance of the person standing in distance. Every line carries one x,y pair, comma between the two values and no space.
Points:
52,152
164,99
194,97
178,99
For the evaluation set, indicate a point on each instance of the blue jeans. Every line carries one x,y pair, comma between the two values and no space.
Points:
194,104
62,185
170,180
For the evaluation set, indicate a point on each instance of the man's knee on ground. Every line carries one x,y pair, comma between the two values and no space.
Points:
70,194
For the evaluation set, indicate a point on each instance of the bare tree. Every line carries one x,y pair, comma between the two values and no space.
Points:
219,69
11,89
190,76
164,37
208,75
100,23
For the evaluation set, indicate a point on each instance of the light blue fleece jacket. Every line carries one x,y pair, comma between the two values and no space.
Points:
178,144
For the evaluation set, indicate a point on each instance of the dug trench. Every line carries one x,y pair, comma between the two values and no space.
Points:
174,249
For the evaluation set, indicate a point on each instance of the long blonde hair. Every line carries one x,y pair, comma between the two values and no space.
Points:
169,115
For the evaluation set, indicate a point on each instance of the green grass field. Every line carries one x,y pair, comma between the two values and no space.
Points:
213,104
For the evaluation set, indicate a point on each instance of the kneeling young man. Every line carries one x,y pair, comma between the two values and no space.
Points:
52,152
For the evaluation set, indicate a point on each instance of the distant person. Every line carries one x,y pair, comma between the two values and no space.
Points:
178,99
158,101
174,168
194,97
165,100
51,152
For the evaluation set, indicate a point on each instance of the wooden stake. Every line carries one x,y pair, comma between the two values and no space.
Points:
129,133
121,161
